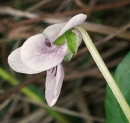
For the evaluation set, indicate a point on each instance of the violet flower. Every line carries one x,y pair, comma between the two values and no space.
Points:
38,53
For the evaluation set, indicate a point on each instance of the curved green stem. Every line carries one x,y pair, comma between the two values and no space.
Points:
104,70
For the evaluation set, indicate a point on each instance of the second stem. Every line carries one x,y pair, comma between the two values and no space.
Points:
104,70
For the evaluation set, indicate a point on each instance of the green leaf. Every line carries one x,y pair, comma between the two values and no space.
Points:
59,41
114,113
68,57
72,41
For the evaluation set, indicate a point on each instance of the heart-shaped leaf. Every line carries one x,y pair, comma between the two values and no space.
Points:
114,113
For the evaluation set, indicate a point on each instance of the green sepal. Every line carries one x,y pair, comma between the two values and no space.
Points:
60,40
72,41
41,31
68,57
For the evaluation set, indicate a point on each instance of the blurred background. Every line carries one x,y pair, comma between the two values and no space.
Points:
83,93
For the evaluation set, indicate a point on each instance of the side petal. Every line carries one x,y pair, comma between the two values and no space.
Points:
54,82
17,65
74,21
52,31
40,57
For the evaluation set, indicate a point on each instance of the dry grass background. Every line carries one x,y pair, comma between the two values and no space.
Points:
83,91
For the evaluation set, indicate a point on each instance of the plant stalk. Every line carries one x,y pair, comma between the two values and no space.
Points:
104,70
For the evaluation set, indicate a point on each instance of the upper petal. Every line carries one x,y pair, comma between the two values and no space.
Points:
16,64
38,56
54,82
52,31
74,21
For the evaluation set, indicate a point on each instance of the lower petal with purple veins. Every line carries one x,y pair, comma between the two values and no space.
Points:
53,85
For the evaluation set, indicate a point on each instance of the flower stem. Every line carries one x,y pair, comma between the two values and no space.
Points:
104,70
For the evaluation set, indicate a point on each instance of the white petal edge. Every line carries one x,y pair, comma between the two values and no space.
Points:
17,65
38,56
54,81
74,21
52,31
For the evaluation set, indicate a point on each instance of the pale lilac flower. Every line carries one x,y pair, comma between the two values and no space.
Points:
38,53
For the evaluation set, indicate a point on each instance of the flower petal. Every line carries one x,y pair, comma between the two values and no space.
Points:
16,64
79,36
54,82
74,21
40,57
52,31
